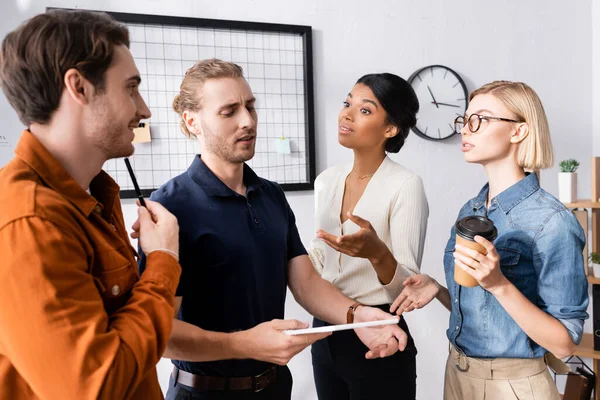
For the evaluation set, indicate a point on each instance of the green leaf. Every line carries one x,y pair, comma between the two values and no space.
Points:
569,165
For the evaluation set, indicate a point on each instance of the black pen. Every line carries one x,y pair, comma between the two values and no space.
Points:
135,184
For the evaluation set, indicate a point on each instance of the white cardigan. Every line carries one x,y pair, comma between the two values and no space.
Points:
394,202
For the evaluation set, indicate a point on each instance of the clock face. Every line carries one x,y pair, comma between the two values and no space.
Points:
442,97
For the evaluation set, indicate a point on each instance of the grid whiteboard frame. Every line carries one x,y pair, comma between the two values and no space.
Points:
305,33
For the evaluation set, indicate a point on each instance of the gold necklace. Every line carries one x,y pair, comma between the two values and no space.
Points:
347,189
361,177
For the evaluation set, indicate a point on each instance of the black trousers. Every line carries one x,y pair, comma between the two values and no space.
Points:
281,389
342,373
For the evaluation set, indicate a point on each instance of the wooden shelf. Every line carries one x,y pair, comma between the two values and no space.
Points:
583,204
586,347
593,280
589,210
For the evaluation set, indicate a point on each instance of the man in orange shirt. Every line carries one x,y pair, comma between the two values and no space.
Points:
76,320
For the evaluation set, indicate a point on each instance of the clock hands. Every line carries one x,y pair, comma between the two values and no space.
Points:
431,93
444,104
438,104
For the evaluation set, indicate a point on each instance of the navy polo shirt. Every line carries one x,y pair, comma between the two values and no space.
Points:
234,252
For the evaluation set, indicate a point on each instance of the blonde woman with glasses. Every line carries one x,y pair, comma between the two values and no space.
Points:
530,297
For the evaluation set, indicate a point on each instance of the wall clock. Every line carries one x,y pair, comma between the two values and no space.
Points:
442,97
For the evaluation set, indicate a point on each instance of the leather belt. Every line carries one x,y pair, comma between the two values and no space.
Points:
220,383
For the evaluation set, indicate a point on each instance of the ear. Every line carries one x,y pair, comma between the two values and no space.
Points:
192,122
391,131
520,134
77,87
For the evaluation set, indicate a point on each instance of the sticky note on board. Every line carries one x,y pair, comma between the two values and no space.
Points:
282,146
142,133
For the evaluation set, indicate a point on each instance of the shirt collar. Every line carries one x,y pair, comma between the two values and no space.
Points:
510,197
54,175
213,186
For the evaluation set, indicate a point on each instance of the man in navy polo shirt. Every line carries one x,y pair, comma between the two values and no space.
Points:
239,250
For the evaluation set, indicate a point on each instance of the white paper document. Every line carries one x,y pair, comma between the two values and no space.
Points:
343,327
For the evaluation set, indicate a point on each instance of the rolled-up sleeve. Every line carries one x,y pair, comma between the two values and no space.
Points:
562,282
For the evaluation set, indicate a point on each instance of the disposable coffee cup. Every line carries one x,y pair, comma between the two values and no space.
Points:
466,230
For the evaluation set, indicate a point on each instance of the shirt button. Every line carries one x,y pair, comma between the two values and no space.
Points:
457,328
255,221
117,289
456,300
97,209
113,227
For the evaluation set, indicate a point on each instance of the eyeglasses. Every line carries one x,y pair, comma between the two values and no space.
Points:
474,122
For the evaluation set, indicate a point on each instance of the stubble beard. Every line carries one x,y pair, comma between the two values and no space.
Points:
219,147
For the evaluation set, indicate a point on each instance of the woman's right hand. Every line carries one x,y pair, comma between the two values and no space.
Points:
418,291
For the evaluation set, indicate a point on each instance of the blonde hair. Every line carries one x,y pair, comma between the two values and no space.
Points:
535,151
188,98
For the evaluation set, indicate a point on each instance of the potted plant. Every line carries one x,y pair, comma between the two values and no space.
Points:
594,260
567,180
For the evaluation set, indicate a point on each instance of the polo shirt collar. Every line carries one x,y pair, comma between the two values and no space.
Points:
213,186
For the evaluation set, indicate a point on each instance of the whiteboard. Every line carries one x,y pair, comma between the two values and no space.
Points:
277,64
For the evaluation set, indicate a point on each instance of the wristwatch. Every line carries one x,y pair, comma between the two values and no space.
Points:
351,311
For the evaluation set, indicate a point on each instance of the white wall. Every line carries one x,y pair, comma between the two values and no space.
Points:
548,45
596,76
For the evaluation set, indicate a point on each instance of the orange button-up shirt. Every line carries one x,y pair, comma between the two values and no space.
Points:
76,320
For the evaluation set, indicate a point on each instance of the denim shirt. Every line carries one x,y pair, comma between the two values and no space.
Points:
540,243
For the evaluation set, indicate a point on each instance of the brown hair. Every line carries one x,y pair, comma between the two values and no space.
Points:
535,151
35,57
188,98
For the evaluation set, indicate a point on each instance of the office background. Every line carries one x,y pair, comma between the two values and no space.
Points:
553,45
